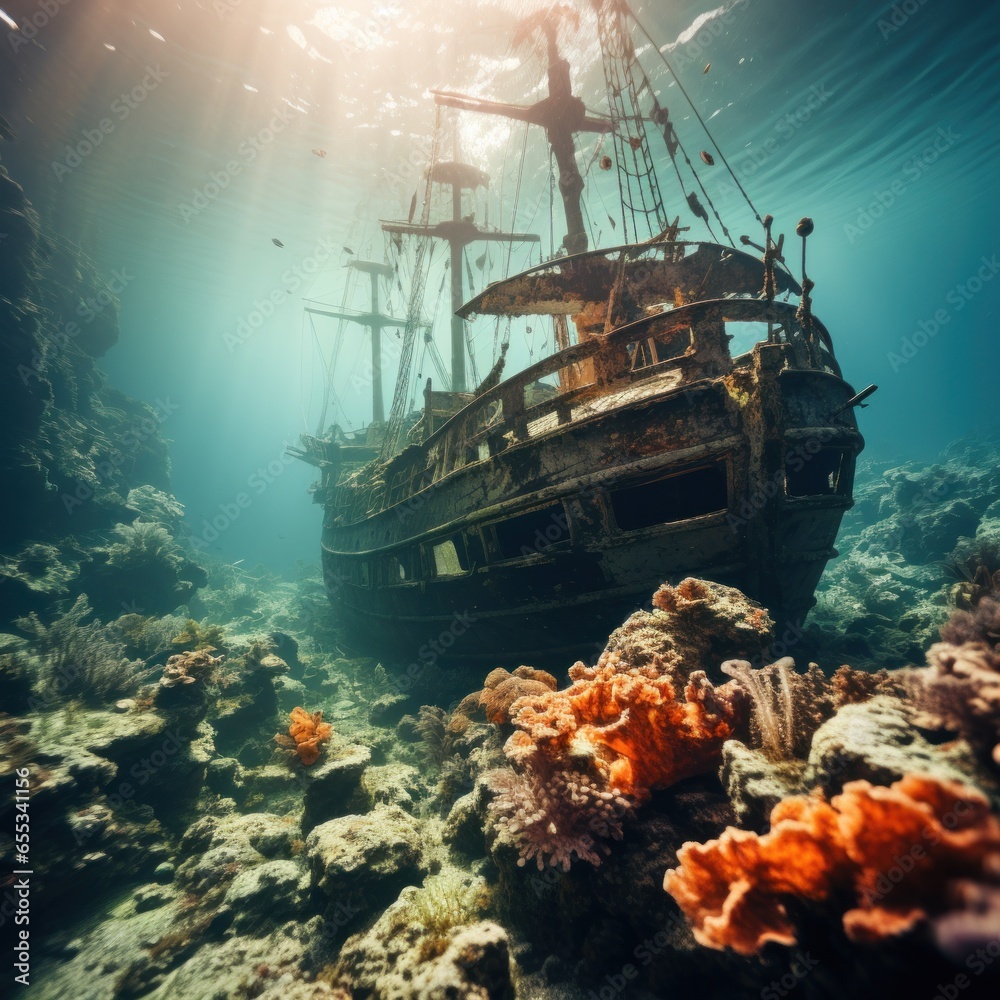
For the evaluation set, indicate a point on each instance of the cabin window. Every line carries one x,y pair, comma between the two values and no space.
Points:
671,498
446,559
655,350
535,531
744,335
813,473
400,567
361,574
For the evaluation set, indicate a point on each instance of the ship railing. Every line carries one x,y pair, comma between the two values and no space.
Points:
689,342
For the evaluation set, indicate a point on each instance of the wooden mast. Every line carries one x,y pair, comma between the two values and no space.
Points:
375,321
561,114
458,232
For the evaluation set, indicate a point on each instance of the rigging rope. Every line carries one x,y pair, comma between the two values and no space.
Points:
691,104
394,427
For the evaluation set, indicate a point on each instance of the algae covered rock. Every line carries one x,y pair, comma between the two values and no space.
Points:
272,891
433,941
366,859
331,783
755,784
876,740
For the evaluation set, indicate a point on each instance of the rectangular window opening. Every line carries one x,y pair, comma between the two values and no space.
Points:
671,498
534,531
813,474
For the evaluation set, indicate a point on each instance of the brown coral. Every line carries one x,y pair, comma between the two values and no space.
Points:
960,690
188,667
896,850
306,734
500,690
694,625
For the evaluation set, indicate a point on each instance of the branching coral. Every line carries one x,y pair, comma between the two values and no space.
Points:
78,660
960,690
960,687
306,734
735,889
552,816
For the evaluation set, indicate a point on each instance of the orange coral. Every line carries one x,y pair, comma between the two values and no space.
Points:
305,735
630,722
896,849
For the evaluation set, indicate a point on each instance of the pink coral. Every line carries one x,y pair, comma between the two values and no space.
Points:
550,817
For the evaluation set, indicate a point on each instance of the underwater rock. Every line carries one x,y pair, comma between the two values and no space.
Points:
225,777
217,849
150,897
391,784
387,709
463,829
268,893
755,784
331,784
366,860
245,717
876,740
431,943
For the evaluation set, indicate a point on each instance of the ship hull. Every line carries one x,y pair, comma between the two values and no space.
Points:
536,553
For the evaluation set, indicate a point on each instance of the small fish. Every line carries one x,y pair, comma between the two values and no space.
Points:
708,158
348,250
413,206
276,241
238,561
708,66
6,132
321,153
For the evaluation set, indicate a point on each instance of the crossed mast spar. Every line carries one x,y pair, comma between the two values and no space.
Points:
375,320
458,231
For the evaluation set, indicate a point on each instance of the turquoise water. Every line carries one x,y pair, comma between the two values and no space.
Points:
174,143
